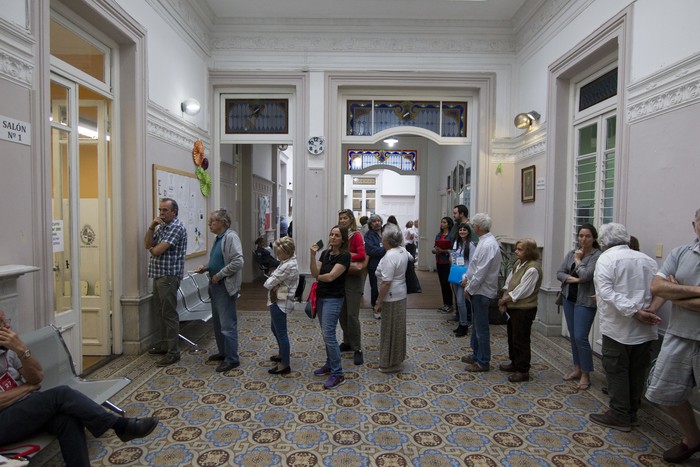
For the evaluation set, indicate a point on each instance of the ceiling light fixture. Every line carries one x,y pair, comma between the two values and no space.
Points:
391,141
190,106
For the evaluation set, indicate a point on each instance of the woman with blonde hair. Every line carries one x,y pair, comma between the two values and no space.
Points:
519,301
282,285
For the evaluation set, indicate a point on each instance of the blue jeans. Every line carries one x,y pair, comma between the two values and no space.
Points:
464,308
279,329
225,321
481,339
328,311
579,320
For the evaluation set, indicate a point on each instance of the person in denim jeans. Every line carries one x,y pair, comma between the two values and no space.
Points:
481,288
286,275
225,271
576,276
330,272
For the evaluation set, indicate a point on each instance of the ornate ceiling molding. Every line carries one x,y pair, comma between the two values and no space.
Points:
163,125
16,70
520,149
341,42
672,88
186,21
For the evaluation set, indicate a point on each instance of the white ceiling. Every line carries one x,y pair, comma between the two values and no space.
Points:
485,10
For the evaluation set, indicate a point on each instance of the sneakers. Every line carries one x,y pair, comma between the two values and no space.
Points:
168,360
468,359
608,419
358,359
445,308
334,381
377,315
324,370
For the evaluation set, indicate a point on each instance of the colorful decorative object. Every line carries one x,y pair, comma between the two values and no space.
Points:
205,163
204,181
198,153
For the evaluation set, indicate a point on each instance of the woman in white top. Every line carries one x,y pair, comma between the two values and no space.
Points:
391,302
285,276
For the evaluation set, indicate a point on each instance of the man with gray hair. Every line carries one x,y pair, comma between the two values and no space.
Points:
623,293
678,368
482,287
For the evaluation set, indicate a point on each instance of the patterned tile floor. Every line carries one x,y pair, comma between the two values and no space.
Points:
433,414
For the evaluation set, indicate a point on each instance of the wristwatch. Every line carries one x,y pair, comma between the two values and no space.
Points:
27,353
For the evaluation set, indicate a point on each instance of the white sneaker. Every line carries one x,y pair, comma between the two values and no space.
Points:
377,315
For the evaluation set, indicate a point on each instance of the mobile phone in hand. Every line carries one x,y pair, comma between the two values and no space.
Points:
319,244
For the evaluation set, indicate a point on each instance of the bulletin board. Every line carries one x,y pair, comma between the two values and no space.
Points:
184,188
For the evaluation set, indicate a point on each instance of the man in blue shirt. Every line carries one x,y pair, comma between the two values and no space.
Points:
166,241
225,273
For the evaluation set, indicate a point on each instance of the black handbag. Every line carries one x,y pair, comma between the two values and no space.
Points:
412,283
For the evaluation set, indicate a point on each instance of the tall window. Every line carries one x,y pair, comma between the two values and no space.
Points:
595,128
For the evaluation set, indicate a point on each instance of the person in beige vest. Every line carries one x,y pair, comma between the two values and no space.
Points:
519,302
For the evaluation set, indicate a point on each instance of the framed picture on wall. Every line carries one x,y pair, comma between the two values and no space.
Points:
527,188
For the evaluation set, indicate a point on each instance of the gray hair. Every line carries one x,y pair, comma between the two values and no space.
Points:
483,220
613,234
223,216
392,235
374,217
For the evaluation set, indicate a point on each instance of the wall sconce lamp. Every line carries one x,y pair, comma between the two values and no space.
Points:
190,106
525,120
391,141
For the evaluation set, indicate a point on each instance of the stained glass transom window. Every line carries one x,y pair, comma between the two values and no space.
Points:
368,117
362,159
602,88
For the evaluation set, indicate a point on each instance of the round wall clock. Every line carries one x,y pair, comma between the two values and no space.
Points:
316,145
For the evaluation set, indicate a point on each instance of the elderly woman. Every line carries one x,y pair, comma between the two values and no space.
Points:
354,286
519,300
391,302
576,276
330,272
284,279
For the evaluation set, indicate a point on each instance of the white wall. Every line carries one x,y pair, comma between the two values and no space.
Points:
175,70
14,11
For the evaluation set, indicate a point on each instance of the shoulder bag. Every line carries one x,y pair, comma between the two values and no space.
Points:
412,283
310,307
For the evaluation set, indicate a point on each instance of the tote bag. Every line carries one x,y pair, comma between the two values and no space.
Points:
412,283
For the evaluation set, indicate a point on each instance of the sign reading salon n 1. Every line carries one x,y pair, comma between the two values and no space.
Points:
15,130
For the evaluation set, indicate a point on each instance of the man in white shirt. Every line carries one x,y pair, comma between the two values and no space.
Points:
482,288
623,292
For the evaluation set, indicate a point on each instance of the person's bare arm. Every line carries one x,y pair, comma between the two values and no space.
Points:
9,397
31,369
670,289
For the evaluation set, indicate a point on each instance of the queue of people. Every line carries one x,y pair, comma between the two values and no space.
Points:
611,278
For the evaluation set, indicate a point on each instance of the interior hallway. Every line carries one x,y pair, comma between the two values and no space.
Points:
433,413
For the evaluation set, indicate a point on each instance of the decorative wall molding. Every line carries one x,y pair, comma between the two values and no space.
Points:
185,20
16,70
515,150
163,125
366,44
539,20
670,89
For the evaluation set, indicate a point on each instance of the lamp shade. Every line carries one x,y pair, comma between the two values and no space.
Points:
190,106
525,120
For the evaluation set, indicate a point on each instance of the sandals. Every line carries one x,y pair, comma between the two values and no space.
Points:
583,386
572,376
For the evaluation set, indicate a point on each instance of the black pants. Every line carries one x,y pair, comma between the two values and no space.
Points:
626,369
300,288
62,411
519,329
443,271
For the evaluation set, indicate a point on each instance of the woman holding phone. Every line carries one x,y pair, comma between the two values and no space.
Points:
330,272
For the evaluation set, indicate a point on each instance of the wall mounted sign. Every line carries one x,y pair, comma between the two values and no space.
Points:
15,131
